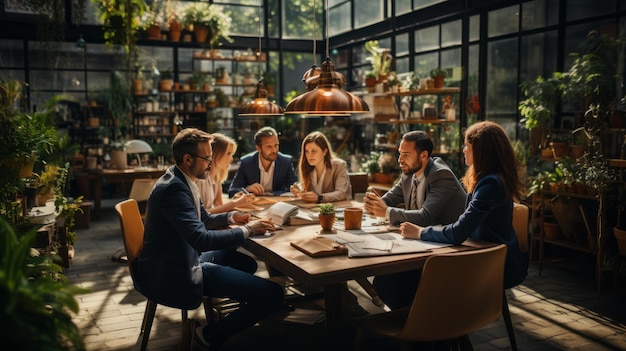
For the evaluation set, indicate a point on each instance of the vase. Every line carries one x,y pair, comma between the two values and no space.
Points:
201,32
118,158
327,221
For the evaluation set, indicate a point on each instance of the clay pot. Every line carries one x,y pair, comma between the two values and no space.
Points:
201,32
439,80
327,221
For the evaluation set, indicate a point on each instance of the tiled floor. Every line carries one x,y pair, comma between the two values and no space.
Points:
556,311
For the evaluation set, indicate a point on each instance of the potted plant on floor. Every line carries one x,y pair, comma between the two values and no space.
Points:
327,216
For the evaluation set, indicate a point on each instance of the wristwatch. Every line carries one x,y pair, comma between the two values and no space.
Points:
320,198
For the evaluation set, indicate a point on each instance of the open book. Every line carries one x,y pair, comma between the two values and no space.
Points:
285,213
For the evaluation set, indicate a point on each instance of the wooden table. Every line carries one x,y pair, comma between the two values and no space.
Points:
331,272
90,182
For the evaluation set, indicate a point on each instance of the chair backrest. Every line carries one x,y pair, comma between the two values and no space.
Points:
132,227
458,293
141,189
520,224
359,183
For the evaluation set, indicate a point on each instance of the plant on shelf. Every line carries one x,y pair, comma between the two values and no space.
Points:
210,23
438,75
167,81
380,58
120,20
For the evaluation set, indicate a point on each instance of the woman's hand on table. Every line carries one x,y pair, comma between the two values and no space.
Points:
295,189
308,196
410,230
243,200
261,226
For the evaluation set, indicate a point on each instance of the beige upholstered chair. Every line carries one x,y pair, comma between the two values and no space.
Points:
458,293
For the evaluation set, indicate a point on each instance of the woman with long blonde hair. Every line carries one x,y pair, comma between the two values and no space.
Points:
224,148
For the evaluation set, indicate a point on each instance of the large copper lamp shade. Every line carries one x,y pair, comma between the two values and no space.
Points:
328,97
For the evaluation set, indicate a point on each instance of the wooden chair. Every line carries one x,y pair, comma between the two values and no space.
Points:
140,191
359,183
520,225
458,293
132,232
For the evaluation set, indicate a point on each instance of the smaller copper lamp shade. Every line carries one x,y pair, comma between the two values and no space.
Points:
328,97
260,106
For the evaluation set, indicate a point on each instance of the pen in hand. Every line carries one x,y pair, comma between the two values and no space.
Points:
243,190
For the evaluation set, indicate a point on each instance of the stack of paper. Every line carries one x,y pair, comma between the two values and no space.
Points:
303,316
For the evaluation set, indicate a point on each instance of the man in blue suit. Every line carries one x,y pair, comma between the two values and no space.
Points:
265,171
186,256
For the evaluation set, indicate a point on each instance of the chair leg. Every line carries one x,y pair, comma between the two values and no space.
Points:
464,343
146,325
369,289
506,315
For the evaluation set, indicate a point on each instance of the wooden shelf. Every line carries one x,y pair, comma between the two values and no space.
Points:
426,92
422,121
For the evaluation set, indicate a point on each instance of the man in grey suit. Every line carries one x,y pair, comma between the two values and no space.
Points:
431,194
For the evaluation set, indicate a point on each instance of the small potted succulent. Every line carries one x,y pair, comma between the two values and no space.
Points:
327,216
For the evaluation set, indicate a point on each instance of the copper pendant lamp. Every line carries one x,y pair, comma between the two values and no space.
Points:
327,98
260,106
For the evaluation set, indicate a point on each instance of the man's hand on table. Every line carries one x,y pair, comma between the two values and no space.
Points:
374,205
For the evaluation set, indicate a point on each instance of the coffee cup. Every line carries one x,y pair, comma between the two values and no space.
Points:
352,218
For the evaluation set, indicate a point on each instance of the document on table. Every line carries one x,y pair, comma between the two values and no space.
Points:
303,316
365,244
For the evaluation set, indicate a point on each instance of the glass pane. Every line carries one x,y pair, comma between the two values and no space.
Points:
295,64
427,39
11,53
451,33
539,13
575,35
57,80
402,64
367,12
538,56
162,57
403,6
402,44
425,3
472,105
424,63
341,58
244,20
298,20
503,21
57,55
474,28
97,80
99,57
502,89
578,9
8,74
340,19
451,63
273,23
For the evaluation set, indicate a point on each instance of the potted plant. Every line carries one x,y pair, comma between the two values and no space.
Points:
327,216
36,297
167,81
172,8
380,58
438,75
559,143
210,23
371,79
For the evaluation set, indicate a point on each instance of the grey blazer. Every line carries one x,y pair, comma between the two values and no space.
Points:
337,187
444,197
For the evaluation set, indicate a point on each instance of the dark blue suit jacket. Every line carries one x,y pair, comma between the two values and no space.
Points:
168,269
488,217
249,173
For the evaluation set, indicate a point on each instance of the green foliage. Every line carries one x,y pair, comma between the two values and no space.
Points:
541,97
36,300
118,102
120,22
327,209
213,17
438,72
380,58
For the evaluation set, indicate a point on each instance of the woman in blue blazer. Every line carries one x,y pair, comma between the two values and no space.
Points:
492,183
